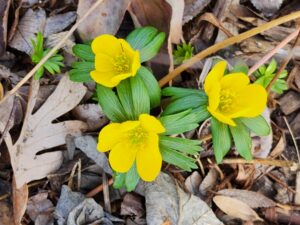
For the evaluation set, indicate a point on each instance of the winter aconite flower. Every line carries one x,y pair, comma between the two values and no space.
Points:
134,141
232,96
115,60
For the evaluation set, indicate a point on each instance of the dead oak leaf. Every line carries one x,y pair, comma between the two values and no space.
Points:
39,132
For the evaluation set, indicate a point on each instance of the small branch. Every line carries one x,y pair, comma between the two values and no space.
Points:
98,189
230,41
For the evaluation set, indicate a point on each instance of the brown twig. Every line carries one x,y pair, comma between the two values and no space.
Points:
225,43
282,183
98,189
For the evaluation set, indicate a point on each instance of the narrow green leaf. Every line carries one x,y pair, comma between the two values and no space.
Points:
176,92
178,159
119,180
201,113
221,139
240,67
262,69
132,178
110,104
140,37
180,122
140,97
152,86
180,144
152,48
271,67
125,96
242,139
188,102
39,73
257,124
84,52
79,76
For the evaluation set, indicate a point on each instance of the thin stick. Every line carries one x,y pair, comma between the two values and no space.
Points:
98,189
53,50
273,51
293,137
225,43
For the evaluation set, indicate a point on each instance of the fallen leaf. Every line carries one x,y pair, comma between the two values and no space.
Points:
1,91
105,19
236,208
20,198
279,148
297,196
40,133
251,198
4,8
88,145
165,200
31,23
193,182
57,23
132,205
92,114
268,7
209,181
193,8
6,215
40,209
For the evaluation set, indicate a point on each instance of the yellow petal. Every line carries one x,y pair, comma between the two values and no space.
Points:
104,63
121,157
118,78
105,79
252,101
136,63
109,136
215,75
149,159
214,97
106,44
129,125
151,124
221,117
234,81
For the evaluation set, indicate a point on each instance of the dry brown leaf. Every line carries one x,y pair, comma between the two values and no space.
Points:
6,216
20,199
106,19
297,196
31,23
279,148
251,198
1,91
236,208
4,8
40,133
193,8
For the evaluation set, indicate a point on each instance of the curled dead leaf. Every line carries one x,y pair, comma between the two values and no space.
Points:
1,91
20,199
236,208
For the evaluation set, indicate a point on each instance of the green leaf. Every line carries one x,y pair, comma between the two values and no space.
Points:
180,122
152,86
201,113
84,52
176,92
283,74
242,139
140,97
78,76
178,159
125,95
132,178
180,144
262,69
39,73
221,139
240,67
140,37
110,104
119,180
188,102
152,48
271,68
257,124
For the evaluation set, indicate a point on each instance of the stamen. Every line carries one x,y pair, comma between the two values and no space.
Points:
226,100
138,135
121,63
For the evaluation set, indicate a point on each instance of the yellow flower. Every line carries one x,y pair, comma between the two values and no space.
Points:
233,96
115,60
134,140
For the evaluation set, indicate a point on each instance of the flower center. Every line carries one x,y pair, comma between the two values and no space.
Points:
138,135
226,100
121,63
